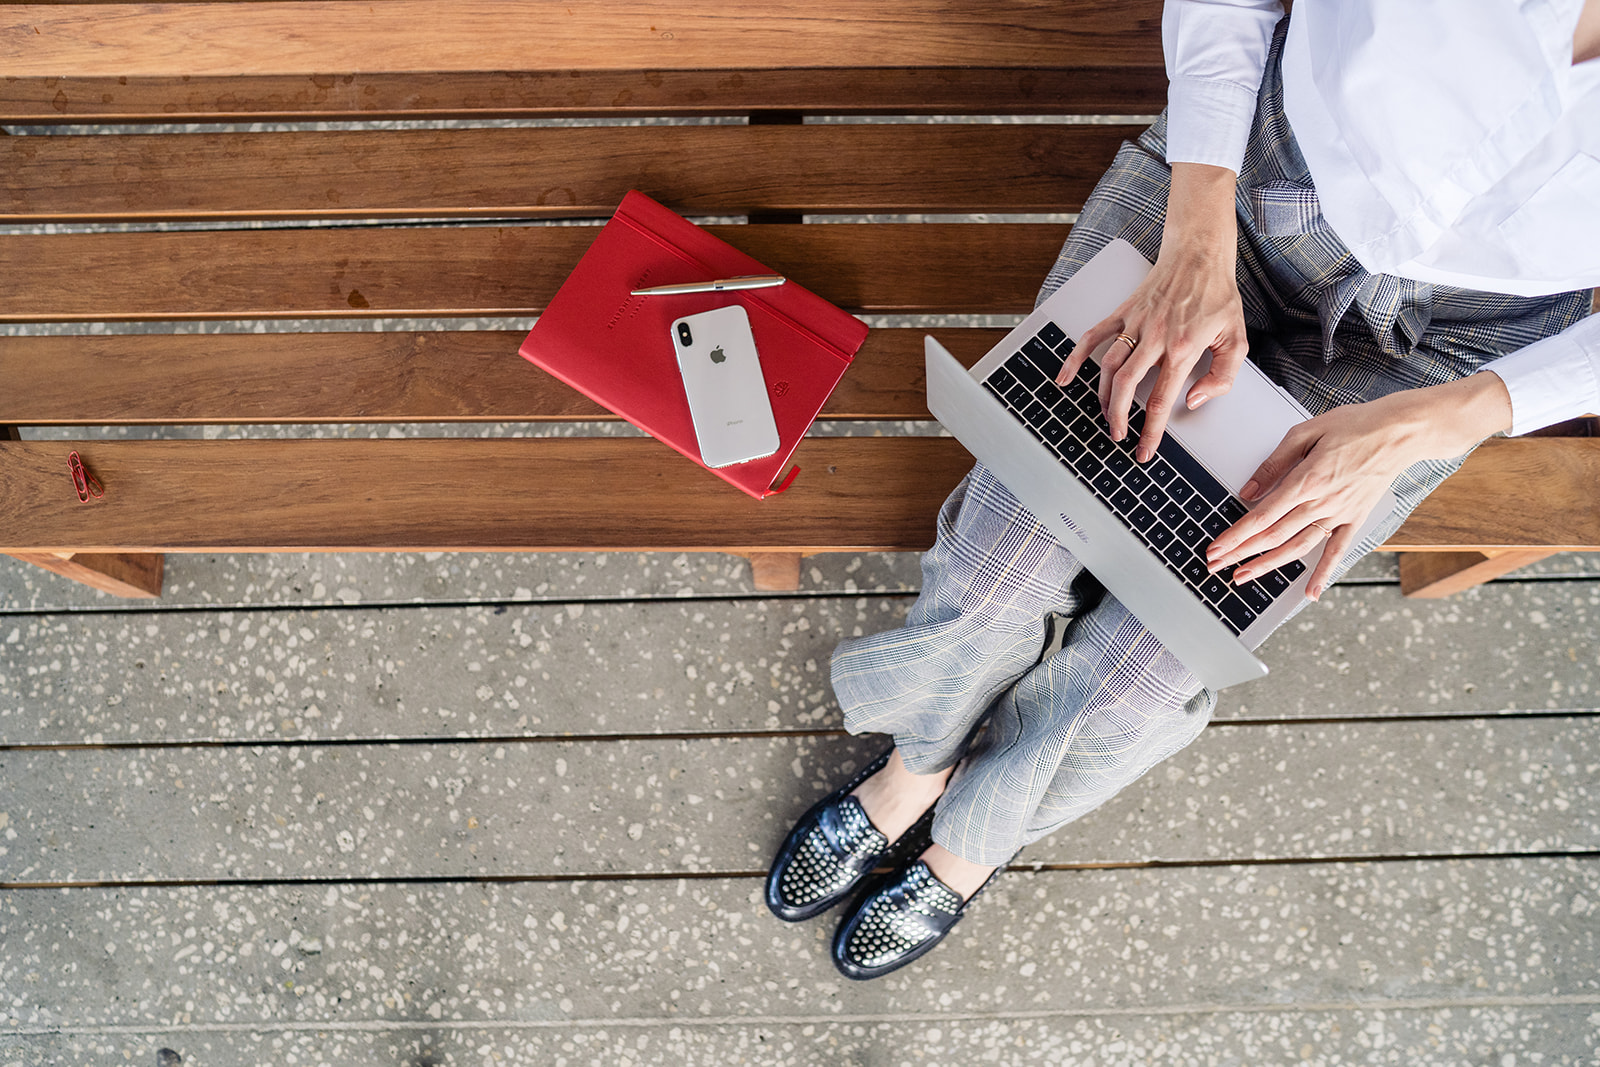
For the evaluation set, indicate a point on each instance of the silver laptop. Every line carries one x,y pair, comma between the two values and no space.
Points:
1141,529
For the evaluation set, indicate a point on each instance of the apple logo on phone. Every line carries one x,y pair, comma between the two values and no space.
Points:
717,356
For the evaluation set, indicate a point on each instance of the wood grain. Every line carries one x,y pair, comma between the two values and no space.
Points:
132,575
443,494
462,376
1513,493
489,270
1432,575
572,172
1058,90
322,36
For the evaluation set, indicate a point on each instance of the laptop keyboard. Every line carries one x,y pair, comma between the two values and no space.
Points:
1171,503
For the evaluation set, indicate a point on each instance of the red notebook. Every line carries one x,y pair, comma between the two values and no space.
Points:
615,348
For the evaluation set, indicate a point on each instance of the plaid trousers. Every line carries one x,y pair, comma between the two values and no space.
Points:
1062,733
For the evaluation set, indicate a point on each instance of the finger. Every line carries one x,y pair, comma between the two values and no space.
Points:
1125,383
1290,451
1287,539
1291,543
1331,555
1158,408
1110,363
1088,341
1242,538
1227,355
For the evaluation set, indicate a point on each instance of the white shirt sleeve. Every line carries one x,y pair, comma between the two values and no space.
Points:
1216,52
1555,379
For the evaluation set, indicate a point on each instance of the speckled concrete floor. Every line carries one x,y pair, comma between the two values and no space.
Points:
514,809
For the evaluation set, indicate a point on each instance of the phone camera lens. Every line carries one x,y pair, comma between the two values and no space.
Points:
685,338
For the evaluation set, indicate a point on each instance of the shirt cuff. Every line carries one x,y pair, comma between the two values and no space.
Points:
1209,121
1553,380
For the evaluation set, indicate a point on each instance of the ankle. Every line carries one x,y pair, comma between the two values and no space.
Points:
894,798
965,877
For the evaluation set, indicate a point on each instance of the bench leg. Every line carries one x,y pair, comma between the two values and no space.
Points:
1439,574
130,574
775,572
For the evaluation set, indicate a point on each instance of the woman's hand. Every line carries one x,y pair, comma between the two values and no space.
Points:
1187,303
1327,474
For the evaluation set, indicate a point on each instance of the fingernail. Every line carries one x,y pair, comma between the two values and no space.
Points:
1313,593
1142,454
1250,490
1196,400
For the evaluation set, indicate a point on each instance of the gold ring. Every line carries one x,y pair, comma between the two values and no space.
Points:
1325,531
1130,342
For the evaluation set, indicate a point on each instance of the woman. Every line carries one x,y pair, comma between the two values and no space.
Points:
1431,210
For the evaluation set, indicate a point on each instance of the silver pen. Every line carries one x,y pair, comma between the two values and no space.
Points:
716,285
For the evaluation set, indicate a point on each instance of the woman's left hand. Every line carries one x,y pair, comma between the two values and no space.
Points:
1329,472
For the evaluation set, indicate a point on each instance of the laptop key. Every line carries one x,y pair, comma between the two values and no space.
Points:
1052,335
1198,508
1191,470
1105,483
1018,397
1237,611
1177,553
1214,525
1274,583
1002,380
1192,535
1172,515
1137,480
1100,445
1180,490
1043,357
1160,471
1087,465
1233,510
1293,569
1154,498
1069,448
1252,593
1120,462
1026,372
1053,431
1036,414
1141,518
1051,394
1194,571
1123,501
1214,589
1158,536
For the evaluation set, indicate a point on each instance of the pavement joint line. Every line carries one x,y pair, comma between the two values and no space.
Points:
136,609
712,876
1386,1005
412,605
1504,715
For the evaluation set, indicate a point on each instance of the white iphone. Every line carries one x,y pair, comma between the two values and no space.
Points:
727,393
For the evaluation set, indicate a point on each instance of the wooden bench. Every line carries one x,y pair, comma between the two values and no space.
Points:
430,223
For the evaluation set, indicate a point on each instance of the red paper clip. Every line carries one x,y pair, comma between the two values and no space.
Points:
85,482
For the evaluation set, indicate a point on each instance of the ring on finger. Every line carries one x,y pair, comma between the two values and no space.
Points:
1129,341
1325,531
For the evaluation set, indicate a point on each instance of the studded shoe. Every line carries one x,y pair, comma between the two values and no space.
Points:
898,919
829,851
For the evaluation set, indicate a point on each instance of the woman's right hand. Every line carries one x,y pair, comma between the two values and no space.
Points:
1187,303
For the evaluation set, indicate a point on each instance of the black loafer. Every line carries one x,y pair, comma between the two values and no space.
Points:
829,851
898,919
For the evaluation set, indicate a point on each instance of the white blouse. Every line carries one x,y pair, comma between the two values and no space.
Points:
1450,141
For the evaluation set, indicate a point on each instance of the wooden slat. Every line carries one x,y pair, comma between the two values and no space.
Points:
1057,90
585,172
1432,575
135,575
853,494
323,36
1513,493
463,376
484,270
